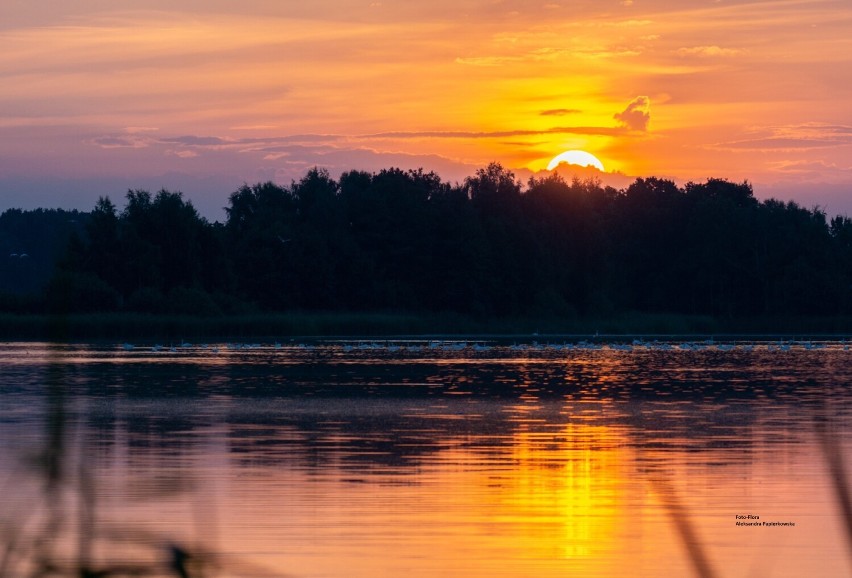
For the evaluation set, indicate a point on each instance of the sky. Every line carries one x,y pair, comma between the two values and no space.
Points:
201,96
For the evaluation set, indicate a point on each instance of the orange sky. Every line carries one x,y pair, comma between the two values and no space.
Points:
202,96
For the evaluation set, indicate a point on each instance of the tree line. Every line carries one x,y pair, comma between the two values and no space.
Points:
490,246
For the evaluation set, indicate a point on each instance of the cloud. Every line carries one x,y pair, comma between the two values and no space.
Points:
140,129
487,60
792,137
559,111
277,156
545,54
185,154
615,52
191,140
774,143
820,130
589,50
637,114
136,139
116,142
708,51
810,167
339,160
590,130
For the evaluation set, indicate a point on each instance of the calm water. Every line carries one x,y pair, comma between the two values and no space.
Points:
424,459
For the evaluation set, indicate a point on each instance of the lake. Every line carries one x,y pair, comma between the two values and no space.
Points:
424,458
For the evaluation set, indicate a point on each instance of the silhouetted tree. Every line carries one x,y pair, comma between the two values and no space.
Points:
32,244
315,256
103,258
841,234
405,240
650,232
261,223
496,197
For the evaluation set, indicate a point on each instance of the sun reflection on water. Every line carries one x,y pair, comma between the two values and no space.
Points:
476,463
573,479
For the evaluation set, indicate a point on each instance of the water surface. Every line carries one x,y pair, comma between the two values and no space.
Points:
428,458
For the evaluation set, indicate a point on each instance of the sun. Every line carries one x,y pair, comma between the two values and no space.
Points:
581,158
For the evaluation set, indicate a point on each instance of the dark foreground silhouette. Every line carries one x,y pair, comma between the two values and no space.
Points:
406,241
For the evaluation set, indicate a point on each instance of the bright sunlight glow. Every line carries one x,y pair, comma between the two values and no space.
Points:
581,158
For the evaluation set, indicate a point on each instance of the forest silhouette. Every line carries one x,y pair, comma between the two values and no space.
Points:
406,241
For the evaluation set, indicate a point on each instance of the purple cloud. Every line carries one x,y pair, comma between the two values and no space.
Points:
637,114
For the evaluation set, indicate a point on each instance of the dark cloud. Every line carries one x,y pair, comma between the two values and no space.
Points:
637,114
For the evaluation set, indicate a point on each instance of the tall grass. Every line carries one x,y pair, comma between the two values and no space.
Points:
837,476
695,548
685,528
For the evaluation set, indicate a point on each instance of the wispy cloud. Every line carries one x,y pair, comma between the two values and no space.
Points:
615,52
587,130
560,111
190,140
112,142
708,51
493,61
792,137
184,154
811,168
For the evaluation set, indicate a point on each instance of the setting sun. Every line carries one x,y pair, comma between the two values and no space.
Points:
580,158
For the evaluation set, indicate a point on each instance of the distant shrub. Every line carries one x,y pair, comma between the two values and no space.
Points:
233,305
80,292
187,301
147,300
13,303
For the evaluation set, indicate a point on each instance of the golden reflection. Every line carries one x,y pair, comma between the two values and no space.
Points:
574,480
514,504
